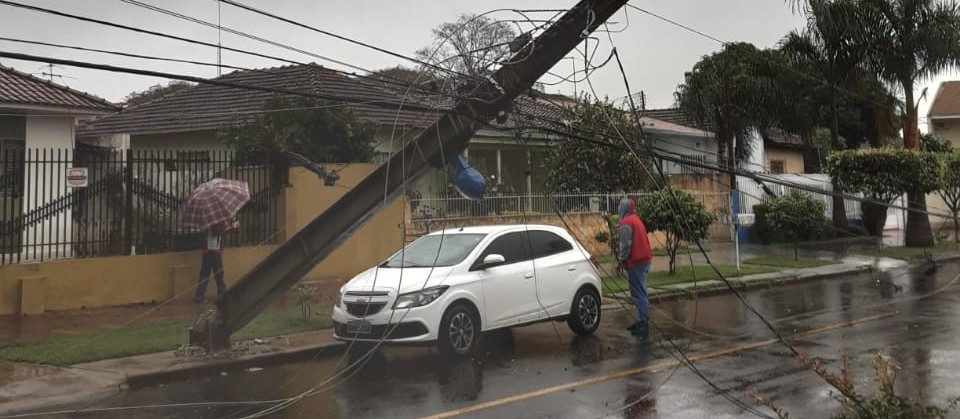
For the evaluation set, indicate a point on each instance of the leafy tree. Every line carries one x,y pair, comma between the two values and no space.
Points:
731,92
912,41
572,165
799,215
830,49
469,46
311,127
680,216
394,78
950,188
882,175
156,92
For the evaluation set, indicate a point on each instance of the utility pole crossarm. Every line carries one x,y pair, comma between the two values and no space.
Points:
450,133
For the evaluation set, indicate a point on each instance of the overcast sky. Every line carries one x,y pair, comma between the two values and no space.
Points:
655,53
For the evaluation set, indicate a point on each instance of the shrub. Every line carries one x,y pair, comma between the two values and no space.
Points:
798,215
680,216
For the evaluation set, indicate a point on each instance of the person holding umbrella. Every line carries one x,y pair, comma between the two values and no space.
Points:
212,260
212,208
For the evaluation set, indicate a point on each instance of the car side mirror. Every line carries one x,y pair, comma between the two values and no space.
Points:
492,260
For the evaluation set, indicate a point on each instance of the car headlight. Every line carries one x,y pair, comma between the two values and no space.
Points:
337,302
419,298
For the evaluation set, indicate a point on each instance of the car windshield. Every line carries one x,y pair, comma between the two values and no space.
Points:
435,250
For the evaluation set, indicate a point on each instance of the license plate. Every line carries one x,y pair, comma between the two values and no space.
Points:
358,327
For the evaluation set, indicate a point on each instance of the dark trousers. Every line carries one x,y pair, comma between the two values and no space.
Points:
212,263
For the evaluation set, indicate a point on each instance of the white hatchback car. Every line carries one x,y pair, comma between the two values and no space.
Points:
449,286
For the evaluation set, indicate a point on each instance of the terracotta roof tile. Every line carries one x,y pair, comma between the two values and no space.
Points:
777,137
947,102
21,88
675,116
210,107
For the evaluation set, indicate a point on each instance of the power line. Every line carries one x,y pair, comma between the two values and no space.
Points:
675,157
697,240
340,37
239,33
120,53
382,79
777,63
216,82
140,30
721,276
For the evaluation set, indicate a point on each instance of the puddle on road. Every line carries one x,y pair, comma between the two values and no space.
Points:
882,264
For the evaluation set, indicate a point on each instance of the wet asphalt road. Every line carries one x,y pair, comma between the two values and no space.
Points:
919,333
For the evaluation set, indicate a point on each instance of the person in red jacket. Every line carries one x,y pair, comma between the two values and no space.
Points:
635,256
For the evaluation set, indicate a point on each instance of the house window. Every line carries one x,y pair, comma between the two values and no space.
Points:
11,168
186,160
777,166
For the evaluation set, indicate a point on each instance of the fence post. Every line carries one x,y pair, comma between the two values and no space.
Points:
128,203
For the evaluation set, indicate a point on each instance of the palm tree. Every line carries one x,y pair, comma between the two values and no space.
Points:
830,52
729,92
913,41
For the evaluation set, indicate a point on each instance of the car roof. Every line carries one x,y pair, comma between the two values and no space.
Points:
498,228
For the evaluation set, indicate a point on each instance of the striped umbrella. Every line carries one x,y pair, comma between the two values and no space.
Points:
214,202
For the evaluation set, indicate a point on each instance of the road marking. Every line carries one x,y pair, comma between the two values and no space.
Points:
640,370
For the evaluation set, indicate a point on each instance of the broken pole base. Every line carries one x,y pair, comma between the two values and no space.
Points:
210,333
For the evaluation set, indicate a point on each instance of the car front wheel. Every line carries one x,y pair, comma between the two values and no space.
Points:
584,317
459,331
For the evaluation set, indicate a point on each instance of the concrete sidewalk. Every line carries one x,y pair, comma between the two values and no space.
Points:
848,266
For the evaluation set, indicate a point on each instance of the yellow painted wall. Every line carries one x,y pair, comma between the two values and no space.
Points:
378,239
117,280
948,130
73,284
793,159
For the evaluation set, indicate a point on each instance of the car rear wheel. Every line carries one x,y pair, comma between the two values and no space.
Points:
584,317
459,331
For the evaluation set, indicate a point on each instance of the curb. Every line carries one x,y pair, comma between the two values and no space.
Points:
946,258
718,287
199,368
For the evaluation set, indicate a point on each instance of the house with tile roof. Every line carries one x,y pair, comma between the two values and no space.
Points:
944,122
775,151
944,114
38,114
190,119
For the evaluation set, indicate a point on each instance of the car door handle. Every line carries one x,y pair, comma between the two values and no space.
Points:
528,276
572,268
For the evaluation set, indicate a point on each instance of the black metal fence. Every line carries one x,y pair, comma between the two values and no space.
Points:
123,202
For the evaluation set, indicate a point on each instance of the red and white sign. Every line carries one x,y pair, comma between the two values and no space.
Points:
77,177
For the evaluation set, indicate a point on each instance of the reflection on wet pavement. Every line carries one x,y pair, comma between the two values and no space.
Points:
414,382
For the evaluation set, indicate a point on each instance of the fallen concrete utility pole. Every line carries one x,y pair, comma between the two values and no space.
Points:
273,276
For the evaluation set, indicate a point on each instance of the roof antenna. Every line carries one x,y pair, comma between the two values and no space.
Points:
219,40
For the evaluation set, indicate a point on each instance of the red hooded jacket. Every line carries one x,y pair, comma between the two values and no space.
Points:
634,244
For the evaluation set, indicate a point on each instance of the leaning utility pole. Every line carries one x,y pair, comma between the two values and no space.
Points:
297,256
